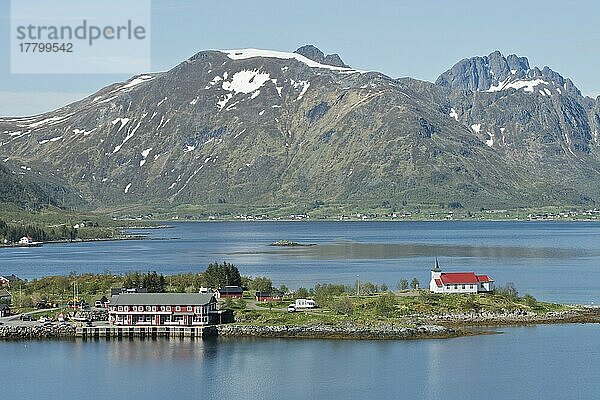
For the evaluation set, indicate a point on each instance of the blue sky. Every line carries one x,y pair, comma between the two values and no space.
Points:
420,39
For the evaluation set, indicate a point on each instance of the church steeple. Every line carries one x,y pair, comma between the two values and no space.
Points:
436,268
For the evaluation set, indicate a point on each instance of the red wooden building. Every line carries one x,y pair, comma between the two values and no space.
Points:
231,292
267,296
181,309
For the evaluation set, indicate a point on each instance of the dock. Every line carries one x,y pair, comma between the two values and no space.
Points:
111,331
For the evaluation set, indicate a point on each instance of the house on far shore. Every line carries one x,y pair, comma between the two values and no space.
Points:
4,310
26,240
459,282
230,292
5,296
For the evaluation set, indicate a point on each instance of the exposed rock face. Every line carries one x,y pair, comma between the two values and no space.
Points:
480,73
493,72
311,52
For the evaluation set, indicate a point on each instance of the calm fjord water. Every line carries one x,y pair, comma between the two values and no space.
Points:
543,362
553,261
557,261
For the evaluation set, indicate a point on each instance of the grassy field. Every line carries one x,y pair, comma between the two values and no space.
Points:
387,308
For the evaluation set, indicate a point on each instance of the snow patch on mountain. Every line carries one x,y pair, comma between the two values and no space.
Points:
48,121
526,85
246,81
243,54
136,81
490,141
453,114
123,122
83,131
145,154
55,139
129,136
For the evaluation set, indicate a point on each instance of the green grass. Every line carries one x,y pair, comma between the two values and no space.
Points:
391,309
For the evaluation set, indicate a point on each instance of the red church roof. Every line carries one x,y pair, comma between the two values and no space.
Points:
456,278
461,278
438,282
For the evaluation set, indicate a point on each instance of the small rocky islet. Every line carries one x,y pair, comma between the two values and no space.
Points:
289,243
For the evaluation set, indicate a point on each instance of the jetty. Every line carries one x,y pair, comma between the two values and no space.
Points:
111,331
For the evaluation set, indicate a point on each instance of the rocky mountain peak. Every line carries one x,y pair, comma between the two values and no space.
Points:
313,53
495,72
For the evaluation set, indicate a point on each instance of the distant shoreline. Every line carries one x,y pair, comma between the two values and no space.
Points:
65,241
267,220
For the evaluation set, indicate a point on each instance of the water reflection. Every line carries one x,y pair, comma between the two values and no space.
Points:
387,251
137,349
553,361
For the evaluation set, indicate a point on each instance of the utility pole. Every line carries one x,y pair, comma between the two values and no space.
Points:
357,285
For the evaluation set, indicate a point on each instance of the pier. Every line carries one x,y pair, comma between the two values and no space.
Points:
109,331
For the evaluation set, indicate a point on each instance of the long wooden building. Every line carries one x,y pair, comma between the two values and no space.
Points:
178,309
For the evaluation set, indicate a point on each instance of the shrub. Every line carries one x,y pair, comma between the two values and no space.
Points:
385,305
342,305
530,301
414,284
402,284
509,291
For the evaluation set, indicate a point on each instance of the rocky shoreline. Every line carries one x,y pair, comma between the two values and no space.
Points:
519,317
339,332
427,327
65,331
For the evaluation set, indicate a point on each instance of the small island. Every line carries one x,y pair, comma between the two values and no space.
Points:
252,306
289,243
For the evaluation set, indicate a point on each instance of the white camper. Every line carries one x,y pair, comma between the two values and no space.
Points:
304,303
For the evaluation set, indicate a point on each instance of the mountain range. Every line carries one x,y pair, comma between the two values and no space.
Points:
255,127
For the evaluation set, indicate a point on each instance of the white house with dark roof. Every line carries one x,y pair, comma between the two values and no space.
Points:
26,240
458,282
179,309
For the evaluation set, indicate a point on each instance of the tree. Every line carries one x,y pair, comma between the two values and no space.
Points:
509,290
151,281
402,284
368,288
342,305
262,284
301,293
284,289
383,287
414,284
220,275
530,301
385,305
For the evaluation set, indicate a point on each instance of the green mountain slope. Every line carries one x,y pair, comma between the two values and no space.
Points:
248,128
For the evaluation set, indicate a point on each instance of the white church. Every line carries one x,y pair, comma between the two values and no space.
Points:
459,282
